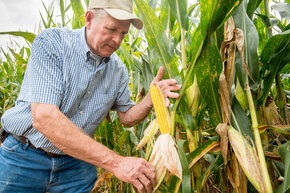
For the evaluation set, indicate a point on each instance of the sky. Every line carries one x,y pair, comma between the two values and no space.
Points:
21,15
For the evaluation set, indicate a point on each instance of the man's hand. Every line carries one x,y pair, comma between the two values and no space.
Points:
136,171
166,86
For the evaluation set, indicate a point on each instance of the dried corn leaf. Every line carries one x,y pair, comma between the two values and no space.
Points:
223,132
239,176
247,158
100,180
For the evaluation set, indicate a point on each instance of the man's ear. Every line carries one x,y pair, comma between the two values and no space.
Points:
89,16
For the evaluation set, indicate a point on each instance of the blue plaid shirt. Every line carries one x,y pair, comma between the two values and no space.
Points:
62,71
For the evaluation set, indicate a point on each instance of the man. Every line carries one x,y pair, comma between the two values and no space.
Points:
72,80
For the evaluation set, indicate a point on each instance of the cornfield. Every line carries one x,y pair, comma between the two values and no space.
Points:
230,126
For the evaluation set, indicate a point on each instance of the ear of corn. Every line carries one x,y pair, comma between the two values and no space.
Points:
149,133
162,112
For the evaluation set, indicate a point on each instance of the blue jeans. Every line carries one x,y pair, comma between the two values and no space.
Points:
27,170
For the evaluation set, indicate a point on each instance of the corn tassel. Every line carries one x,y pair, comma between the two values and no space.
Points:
162,112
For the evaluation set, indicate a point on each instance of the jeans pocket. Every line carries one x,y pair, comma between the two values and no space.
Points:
11,144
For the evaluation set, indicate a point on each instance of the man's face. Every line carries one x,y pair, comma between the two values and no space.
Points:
104,37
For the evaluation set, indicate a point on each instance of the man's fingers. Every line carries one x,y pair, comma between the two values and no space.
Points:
139,186
160,74
167,102
175,87
150,174
146,183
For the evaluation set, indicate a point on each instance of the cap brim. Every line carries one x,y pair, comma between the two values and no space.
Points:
125,15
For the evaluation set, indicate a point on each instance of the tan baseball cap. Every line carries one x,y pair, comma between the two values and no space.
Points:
118,9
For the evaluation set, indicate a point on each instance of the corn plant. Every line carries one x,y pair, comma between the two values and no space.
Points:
232,59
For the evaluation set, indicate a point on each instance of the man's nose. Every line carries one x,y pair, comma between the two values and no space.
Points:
117,39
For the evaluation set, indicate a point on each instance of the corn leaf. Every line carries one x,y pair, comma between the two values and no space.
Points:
240,120
285,129
62,11
283,8
214,13
194,156
186,182
284,151
243,22
208,68
174,185
156,37
252,6
186,115
164,13
79,13
275,56
147,73
179,10
26,35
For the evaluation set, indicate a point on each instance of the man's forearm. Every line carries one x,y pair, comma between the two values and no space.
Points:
69,138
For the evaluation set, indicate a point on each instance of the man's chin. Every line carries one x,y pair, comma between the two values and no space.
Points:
106,54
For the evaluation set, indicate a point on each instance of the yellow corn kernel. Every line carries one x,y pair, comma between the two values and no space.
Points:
162,113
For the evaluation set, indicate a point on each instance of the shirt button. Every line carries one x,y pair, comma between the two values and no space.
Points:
81,112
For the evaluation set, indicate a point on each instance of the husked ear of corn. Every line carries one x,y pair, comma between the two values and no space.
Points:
149,133
162,112
164,154
247,158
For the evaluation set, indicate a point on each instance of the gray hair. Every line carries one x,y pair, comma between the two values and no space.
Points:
98,13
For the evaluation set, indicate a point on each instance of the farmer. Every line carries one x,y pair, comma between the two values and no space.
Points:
72,80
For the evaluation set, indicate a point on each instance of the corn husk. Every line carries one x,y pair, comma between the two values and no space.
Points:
164,156
149,133
247,158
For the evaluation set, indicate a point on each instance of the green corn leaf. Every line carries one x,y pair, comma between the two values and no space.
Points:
199,152
62,11
78,11
208,68
195,49
186,115
275,56
284,151
283,9
240,120
156,37
174,185
243,22
179,10
186,181
148,74
214,13
164,13
77,8
26,35
252,6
